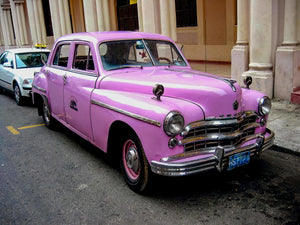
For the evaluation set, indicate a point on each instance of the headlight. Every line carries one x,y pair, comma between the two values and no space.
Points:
27,81
264,106
173,123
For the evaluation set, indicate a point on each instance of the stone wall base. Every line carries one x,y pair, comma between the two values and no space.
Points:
239,62
287,72
262,81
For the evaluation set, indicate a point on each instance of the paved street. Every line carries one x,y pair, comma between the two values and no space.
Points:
55,177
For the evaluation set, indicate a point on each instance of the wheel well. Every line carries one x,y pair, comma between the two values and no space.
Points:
117,133
14,83
38,102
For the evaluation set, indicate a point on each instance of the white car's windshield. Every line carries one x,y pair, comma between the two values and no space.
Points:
139,53
31,59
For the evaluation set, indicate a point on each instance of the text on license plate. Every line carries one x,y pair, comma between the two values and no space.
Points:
238,160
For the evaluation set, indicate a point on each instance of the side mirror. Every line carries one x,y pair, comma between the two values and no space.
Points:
8,64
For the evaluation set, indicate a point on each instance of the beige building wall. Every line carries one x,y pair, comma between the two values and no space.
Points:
211,40
6,24
215,35
259,37
267,46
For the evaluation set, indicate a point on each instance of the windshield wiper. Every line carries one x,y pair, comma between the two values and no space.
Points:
127,66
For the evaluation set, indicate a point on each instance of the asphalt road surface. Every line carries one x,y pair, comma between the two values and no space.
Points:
55,177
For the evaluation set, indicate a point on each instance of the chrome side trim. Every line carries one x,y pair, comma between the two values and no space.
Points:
132,115
77,71
40,89
5,82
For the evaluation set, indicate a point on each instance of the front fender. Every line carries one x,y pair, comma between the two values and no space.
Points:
143,114
250,102
251,99
39,85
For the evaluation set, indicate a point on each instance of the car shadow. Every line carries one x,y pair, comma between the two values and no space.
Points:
10,94
238,180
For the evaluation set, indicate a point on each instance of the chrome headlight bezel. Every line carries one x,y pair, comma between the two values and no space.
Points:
173,123
264,106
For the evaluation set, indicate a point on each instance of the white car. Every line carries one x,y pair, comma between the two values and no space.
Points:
17,68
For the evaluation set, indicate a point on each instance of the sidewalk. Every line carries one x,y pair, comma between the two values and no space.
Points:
284,120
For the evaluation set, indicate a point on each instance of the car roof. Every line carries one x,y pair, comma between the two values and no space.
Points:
111,35
26,50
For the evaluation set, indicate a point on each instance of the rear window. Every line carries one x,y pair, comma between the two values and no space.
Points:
83,59
61,56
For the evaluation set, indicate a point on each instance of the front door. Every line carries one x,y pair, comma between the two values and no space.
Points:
6,70
79,84
56,74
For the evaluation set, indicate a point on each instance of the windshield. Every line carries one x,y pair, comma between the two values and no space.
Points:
139,53
31,59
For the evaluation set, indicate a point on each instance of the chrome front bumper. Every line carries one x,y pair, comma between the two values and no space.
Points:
215,160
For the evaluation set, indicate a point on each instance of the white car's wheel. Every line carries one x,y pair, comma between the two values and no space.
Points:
18,96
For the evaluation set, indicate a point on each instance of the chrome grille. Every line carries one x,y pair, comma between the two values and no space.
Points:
219,132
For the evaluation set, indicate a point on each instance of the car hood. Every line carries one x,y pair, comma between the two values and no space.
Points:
26,72
217,96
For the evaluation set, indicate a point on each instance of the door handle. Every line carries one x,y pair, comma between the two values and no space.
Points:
65,78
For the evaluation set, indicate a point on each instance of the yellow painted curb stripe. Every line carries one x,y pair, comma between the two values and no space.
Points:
38,125
12,130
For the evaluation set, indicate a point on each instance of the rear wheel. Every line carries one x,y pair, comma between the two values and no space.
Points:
135,167
18,96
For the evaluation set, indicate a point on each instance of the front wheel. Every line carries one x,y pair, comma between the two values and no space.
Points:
18,96
134,165
49,121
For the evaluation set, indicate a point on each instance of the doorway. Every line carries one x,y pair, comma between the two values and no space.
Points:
127,15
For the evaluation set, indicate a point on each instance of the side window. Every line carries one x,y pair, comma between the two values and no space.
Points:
62,55
83,59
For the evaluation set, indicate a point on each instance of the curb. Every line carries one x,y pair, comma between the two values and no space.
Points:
278,148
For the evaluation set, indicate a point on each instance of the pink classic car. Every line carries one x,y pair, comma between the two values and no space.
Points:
134,96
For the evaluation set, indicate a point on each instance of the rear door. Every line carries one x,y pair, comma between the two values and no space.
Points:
79,84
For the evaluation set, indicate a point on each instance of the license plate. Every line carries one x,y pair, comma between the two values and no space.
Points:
238,160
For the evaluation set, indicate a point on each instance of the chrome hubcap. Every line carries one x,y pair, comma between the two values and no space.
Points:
132,159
